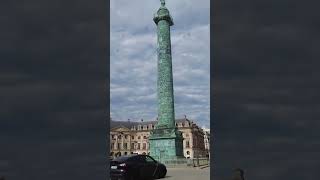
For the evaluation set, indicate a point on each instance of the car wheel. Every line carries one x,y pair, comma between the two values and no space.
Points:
157,174
163,174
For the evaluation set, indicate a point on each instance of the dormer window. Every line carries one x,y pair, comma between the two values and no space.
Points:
187,124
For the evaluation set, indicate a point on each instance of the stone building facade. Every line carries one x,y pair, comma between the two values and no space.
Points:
207,141
132,137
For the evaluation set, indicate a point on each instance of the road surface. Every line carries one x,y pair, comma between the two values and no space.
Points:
188,174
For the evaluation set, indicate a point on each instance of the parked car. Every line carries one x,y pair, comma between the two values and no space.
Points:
136,167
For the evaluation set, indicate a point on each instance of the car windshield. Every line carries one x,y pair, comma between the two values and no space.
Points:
122,158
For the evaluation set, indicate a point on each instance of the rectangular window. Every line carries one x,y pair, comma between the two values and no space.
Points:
144,146
132,145
187,144
118,147
125,146
138,145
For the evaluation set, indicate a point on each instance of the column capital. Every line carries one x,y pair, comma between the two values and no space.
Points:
163,14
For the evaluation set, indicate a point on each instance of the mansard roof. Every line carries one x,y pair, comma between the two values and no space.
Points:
130,124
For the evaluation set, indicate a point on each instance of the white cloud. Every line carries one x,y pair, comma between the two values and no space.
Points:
134,61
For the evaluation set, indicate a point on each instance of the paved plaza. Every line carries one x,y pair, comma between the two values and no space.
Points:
188,174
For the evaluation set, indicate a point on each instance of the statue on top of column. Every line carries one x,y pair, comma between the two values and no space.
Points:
162,2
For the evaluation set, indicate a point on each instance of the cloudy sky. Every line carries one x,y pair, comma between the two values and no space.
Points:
266,89
53,89
133,59
54,84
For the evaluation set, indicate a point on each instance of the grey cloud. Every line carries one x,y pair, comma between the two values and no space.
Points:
53,66
265,90
134,61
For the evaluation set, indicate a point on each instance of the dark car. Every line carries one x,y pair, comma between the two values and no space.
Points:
136,167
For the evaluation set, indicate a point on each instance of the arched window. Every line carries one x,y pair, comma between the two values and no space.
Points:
118,154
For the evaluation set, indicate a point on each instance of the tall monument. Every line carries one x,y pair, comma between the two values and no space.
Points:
165,140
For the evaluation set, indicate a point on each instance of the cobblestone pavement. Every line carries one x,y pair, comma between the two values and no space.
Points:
188,174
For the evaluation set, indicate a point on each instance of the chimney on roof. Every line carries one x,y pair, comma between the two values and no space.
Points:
185,117
141,120
128,120
157,118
